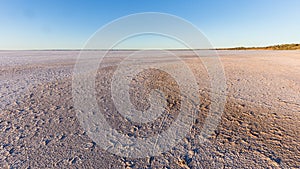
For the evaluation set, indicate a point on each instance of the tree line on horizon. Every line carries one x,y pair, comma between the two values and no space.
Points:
274,47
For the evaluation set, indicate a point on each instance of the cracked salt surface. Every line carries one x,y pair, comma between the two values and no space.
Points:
259,127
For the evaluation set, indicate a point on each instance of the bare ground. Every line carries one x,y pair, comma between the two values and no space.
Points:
260,126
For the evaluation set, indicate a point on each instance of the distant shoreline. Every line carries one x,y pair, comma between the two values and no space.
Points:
274,47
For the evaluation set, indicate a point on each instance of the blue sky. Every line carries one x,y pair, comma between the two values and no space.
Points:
57,24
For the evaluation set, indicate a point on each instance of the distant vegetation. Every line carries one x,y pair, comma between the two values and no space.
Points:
275,47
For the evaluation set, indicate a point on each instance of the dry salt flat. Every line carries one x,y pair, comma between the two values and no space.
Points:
259,128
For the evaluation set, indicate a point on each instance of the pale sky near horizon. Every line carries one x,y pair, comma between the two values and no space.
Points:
56,24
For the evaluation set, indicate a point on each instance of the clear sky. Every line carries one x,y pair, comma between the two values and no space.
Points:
67,24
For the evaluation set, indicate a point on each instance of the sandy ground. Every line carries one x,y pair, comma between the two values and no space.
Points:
260,126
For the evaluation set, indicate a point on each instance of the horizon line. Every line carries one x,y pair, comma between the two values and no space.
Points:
173,49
